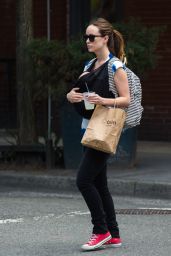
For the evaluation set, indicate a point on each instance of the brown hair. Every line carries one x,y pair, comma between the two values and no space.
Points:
116,42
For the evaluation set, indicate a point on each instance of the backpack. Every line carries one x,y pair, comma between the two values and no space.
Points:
134,110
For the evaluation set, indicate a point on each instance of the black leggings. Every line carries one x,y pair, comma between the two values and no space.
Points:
92,183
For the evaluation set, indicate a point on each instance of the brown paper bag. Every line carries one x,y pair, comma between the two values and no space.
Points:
104,129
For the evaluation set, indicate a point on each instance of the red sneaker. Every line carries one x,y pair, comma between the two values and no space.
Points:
114,242
96,240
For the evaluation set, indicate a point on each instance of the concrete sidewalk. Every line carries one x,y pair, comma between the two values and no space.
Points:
150,178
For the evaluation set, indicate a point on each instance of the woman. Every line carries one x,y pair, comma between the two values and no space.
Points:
104,42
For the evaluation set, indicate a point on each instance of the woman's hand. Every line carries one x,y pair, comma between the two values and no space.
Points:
73,96
96,99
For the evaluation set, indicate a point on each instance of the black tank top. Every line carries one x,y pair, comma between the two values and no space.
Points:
97,81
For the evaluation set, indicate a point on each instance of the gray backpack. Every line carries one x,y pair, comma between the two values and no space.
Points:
134,110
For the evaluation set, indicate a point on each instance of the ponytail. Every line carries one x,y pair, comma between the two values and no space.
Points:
116,45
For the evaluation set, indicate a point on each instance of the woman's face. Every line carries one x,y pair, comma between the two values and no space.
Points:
95,42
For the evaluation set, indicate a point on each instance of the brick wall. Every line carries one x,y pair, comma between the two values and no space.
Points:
8,51
156,123
7,64
58,18
8,25
58,31
7,28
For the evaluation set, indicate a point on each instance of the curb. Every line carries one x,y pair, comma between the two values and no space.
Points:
67,184
140,189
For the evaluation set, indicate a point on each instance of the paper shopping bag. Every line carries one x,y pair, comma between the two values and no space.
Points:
104,129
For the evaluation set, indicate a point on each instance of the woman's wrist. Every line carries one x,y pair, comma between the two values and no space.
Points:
104,101
109,101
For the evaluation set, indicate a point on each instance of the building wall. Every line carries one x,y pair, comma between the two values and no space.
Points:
58,18
7,28
8,118
156,123
7,63
58,30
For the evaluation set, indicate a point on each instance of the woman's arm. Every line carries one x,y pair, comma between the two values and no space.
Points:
121,82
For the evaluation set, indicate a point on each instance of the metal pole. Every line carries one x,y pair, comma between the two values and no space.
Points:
49,141
49,92
48,20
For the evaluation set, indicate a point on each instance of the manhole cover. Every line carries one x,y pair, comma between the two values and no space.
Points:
143,211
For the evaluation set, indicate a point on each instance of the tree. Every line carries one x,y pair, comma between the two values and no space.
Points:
26,123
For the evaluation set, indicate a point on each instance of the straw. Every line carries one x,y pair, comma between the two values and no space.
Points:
87,87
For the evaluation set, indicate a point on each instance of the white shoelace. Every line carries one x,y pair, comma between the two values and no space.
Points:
92,239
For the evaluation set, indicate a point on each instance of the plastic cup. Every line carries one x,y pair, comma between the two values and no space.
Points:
87,104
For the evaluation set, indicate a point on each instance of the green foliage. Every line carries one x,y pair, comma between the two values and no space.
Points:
57,64
78,55
141,44
48,60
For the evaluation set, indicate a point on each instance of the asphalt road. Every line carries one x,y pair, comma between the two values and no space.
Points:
50,224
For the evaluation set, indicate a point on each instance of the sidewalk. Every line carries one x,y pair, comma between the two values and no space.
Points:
150,178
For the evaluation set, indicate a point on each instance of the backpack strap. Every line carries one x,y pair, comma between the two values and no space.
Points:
112,86
112,67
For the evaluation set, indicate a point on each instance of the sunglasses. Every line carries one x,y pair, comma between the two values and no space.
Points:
91,37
